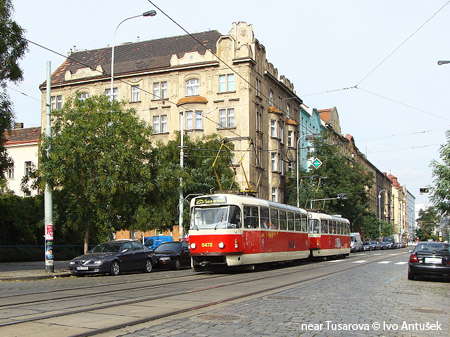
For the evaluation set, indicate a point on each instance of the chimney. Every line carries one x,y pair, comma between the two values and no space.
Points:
18,126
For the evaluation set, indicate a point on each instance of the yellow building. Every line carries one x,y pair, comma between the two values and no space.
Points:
217,84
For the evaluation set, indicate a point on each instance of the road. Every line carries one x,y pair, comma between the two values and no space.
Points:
367,294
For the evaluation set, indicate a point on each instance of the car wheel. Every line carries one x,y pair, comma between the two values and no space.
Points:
177,265
411,276
148,266
115,268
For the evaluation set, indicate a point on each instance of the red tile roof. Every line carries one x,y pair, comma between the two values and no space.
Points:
22,136
136,57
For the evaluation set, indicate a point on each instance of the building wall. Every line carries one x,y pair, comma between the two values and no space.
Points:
254,80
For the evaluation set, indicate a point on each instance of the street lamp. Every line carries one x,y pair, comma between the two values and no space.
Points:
443,62
379,208
148,13
297,155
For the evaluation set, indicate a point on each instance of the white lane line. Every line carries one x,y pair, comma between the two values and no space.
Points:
384,262
401,263
360,261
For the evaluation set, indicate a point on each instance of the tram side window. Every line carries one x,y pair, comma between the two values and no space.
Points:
298,222
304,224
251,217
324,226
264,216
291,226
339,227
283,222
273,219
235,217
314,226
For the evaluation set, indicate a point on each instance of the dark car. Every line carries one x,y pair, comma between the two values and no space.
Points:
383,245
174,255
113,257
429,258
367,246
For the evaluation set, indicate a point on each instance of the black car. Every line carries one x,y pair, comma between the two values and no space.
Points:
173,255
429,258
113,257
367,246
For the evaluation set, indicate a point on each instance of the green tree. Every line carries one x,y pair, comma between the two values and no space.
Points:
12,48
337,174
100,165
440,191
428,220
198,178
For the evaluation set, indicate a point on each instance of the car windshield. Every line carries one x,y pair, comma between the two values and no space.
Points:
110,247
168,247
432,246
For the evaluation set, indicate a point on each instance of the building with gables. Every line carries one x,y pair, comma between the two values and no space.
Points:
214,83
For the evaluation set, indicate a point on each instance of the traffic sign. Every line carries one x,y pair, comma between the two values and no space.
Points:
316,163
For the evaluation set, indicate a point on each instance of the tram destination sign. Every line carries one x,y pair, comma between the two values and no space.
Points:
213,199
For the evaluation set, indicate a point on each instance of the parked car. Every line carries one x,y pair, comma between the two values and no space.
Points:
383,245
367,246
375,245
153,242
428,259
113,257
174,255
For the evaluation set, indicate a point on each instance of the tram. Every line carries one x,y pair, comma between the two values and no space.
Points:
232,231
329,235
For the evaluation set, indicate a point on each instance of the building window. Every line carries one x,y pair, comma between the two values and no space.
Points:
273,129
274,194
226,83
28,168
258,87
288,113
163,123
274,162
56,103
280,164
281,133
10,171
270,97
258,119
84,96
289,140
198,120
156,124
114,95
160,90
226,118
135,93
192,87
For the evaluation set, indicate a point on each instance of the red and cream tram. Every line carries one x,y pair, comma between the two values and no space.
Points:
229,230
329,235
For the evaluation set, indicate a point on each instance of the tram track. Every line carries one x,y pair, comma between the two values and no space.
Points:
319,270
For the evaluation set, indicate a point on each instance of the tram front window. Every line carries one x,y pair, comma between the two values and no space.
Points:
216,217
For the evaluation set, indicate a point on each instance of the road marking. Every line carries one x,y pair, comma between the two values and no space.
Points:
394,254
360,261
333,261
401,263
384,262
393,279
377,254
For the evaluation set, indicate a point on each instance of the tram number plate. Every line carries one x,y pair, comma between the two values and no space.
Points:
433,260
207,244
82,268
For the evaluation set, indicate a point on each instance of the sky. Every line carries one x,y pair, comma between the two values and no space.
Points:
374,60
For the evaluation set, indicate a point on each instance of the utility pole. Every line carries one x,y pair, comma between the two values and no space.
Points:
181,199
48,201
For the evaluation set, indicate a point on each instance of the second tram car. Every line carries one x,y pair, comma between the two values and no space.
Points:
229,230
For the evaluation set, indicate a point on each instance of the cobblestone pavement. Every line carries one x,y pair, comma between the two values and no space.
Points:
375,300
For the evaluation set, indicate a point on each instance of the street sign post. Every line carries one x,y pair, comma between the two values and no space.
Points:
316,163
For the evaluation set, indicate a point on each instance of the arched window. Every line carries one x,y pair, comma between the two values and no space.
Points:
192,87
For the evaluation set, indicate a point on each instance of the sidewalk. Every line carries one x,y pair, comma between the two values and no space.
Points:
26,271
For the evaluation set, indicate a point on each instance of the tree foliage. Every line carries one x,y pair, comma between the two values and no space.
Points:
12,48
99,163
337,174
440,191
198,178
428,220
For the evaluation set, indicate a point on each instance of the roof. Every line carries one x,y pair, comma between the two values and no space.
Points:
136,57
22,136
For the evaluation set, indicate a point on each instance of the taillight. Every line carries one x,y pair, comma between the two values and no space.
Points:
413,258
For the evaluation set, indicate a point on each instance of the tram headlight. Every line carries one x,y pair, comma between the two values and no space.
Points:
221,245
236,244
193,245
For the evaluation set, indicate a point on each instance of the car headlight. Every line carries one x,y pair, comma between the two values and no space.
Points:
97,263
71,263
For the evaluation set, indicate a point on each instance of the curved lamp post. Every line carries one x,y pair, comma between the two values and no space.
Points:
148,13
443,62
